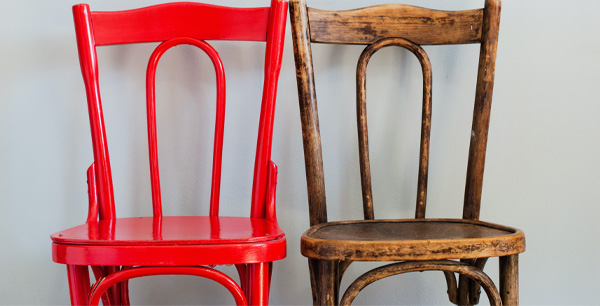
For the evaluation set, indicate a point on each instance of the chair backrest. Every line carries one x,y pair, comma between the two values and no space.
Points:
408,27
174,24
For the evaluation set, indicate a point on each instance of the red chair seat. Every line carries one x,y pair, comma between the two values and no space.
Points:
188,240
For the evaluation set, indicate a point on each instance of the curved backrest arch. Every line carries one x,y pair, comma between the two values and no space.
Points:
219,120
361,113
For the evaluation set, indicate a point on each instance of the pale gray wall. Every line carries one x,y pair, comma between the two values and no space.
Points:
541,174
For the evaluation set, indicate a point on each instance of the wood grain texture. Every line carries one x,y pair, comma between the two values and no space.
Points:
481,110
509,279
308,113
419,25
452,287
410,239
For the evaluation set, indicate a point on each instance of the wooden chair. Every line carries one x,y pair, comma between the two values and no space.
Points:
118,249
451,245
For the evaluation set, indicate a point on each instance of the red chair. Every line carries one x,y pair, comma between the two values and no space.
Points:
118,249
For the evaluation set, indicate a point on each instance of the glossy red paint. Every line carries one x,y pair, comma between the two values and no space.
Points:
155,245
179,230
101,286
165,21
219,120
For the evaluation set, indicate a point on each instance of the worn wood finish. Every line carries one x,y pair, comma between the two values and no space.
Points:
361,113
419,25
452,287
417,266
474,287
308,113
329,282
481,110
463,287
468,291
420,242
410,239
509,279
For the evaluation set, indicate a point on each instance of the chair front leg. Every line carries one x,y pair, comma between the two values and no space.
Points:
324,281
259,275
79,284
509,280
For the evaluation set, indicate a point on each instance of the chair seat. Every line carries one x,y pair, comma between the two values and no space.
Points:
410,239
189,240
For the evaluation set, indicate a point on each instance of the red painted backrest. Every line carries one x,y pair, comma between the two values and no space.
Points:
173,24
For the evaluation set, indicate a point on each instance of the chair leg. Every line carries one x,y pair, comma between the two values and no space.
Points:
324,281
79,284
125,289
243,273
509,280
259,283
452,287
463,290
464,284
125,293
100,272
114,292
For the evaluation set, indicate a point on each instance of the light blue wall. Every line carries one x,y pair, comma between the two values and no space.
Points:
541,172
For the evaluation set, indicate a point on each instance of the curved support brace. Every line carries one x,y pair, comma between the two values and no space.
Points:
103,284
468,291
110,297
474,291
413,266
219,121
361,111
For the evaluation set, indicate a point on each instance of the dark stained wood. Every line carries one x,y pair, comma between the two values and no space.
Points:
452,287
418,266
509,279
421,244
309,114
474,287
325,281
463,287
361,113
315,284
469,290
419,25
481,110
410,239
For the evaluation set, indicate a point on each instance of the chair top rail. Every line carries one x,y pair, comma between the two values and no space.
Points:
420,25
183,19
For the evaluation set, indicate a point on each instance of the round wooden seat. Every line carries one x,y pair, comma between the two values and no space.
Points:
410,239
